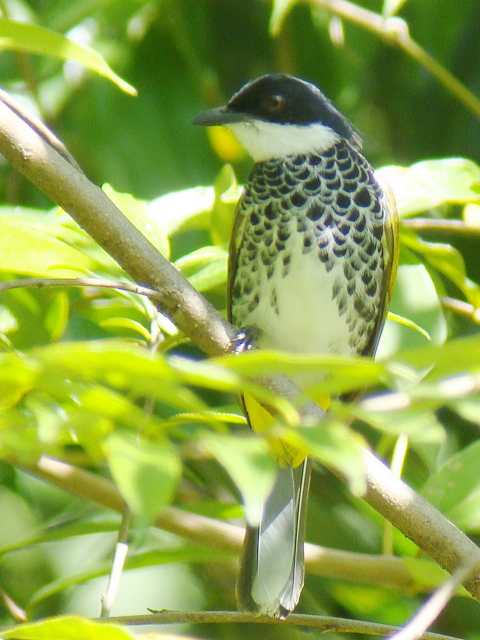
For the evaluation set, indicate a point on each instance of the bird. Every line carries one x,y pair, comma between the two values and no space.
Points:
312,266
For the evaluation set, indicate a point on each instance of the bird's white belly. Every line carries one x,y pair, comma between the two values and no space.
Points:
305,318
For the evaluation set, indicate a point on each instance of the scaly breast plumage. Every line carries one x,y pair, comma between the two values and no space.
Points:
310,259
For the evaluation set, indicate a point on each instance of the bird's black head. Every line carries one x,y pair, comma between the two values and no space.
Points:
280,99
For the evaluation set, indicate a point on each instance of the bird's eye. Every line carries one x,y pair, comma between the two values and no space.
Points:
274,103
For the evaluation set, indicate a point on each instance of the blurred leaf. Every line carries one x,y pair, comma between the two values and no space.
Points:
67,628
225,145
56,318
409,324
329,373
127,323
182,554
447,260
338,447
146,473
415,298
20,36
139,214
183,210
280,10
249,464
455,356
431,183
455,487
117,363
227,193
471,215
62,531
205,268
30,250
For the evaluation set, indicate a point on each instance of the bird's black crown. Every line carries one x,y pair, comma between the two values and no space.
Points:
285,99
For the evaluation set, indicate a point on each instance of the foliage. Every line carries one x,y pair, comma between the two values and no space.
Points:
99,378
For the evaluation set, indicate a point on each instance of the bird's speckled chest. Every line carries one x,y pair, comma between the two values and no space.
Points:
308,265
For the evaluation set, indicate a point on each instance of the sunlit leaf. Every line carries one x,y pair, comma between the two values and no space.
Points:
146,473
182,210
67,628
56,318
205,268
455,487
20,36
126,323
139,214
227,193
336,446
431,183
409,324
249,464
29,250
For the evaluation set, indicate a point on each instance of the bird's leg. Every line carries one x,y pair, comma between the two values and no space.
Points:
245,339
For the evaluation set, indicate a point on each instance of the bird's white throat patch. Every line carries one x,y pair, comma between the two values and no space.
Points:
264,140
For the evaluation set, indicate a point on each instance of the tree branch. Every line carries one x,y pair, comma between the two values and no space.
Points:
53,173
394,31
323,623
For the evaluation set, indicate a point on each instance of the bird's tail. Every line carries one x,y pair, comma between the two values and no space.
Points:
272,569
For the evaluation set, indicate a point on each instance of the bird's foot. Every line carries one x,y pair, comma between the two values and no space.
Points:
244,340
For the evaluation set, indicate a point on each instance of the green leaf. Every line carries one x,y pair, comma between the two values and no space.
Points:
337,447
280,10
409,324
27,249
250,465
227,193
20,36
416,299
455,487
184,554
329,373
67,628
431,183
138,213
183,210
56,318
126,323
119,364
456,356
146,473
205,268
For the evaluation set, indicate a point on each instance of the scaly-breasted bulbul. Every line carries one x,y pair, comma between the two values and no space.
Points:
313,257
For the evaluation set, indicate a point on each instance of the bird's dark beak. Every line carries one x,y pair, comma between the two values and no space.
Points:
218,117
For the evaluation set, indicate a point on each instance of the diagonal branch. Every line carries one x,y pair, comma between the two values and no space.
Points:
33,155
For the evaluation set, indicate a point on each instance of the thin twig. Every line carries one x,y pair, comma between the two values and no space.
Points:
14,609
58,178
118,563
323,623
436,225
434,606
461,308
41,283
394,31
